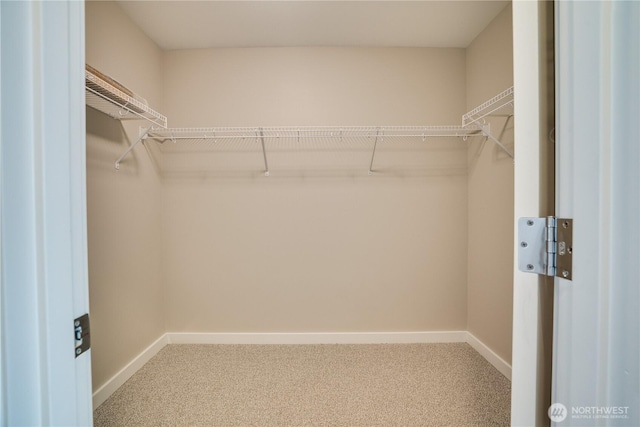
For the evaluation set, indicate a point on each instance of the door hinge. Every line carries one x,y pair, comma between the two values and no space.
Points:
82,334
546,246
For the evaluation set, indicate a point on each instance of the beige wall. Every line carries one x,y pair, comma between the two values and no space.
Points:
334,250
314,86
490,271
124,207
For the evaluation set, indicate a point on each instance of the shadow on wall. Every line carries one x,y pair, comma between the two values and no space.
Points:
503,129
101,126
108,139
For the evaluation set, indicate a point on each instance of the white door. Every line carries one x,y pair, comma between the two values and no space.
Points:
596,378
43,262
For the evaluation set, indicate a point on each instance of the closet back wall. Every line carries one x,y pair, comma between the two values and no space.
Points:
321,252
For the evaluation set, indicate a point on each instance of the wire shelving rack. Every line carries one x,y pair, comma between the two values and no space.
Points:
108,99
104,97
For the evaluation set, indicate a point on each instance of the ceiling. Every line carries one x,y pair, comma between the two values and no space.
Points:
205,24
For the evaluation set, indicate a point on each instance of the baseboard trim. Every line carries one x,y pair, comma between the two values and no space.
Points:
318,338
499,363
108,388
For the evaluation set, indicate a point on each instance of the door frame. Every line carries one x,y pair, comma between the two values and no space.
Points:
534,197
44,279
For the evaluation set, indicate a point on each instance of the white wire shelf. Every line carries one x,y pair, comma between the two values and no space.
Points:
110,100
267,136
503,103
305,133
473,125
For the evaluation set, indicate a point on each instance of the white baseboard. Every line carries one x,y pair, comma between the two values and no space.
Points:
499,363
125,373
317,338
107,389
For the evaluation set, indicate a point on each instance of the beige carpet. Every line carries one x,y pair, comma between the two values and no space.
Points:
312,385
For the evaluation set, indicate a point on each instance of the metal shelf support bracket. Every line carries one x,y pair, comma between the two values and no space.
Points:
373,154
486,131
143,135
264,153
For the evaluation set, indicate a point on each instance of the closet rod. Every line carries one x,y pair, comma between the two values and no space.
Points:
175,134
164,138
357,128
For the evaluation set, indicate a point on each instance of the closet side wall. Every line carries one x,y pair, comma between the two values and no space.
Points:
124,206
317,246
490,270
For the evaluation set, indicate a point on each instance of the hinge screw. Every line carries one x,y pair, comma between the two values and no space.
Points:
76,323
529,267
529,223
78,350
565,273
565,224
524,244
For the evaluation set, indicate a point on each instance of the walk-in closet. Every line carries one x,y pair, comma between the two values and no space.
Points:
300,213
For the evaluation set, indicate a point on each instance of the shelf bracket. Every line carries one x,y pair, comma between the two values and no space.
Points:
486,131
373,154
143,135
264,153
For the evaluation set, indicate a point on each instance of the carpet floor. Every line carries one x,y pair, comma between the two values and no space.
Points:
312,385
